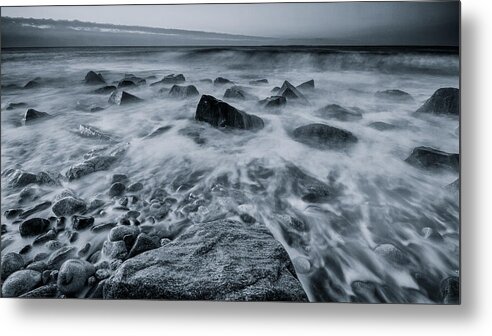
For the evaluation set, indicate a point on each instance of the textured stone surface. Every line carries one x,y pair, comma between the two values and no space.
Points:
219,260
443,101
324,136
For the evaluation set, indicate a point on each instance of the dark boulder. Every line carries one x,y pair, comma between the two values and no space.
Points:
33,84
258,81
136,80
34,227
273,102
450,290
20,283
306,86
237,92
68,206
73,276
12,106
220,114
94,78
18,178
275,90
290,92
58,257
142,244
394,95
430,158
116,189
338,112
123,98
32,116
37,208
43,292
178,91
207,262
222,81
82,223
91,165
206,80
105,89
443,101
324,136
126,83
170,79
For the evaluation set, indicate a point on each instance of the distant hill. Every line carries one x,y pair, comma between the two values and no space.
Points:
27,32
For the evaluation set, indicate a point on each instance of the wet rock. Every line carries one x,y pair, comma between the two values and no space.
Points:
20,282
394,95
116,189
135,187
33,116
178,91
114,250
392,254
338,112
119,178
26,249
37,208
246,218
13,106
119,232
60,224
123,98
306,86
273,102
222,81
454,186
3,229
11,262
302,265
96,204
39,266
34,227
171,79
443,101
33,84
382,126
430,158
69,206
291,93
73,276
159,131
102,274
275,90
206,80
73,237
89,166
258,81
450,290
142,244
207,262
12,213
309,188
136,80
59,256
87,107
237,92
19,178
42,239
126,83
324,136
103,227
81,222
105,89
43,292
220,114
94,78
92,132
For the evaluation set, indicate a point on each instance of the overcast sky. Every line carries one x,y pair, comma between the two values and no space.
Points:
302,20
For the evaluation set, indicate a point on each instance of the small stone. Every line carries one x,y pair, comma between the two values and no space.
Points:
34,227
25,249
13,213
20,282
44,292
60,224
114,250
119,232
11,262
50,235
81,223
302,265
91,281
73,276
39,266
133,214
53,245
392,254
102,273
59,256
450,290
69,206
115,263
165,241
119,178
103,227
247,218
143,243
116,189
135,187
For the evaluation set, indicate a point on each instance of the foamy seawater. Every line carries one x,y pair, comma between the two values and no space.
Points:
388,233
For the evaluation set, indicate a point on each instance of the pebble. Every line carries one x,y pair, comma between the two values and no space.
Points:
69,206
73,276
102,273
116,189
135,187
59,256
34,227
114,250
11,262
119,178
20,282
302,265
81,223
39,266
25,249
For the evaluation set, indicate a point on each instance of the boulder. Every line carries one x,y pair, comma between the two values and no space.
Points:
338,112
33,116
92,132
58,257
43,292
290,92
123,98
443,101
142,244
430,158
116,189
73,276
126,83
324,136
114,250
306,86
178,91
89,166
69,206
81,222
12,106
19,178
94,78
394,95
171,79
382,126
258,81
37,208
273,102
34,227
222,81
237,92
11,263
20,282
207,262
105,89
119,232
220,114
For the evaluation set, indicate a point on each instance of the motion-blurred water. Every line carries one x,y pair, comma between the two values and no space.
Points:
338,247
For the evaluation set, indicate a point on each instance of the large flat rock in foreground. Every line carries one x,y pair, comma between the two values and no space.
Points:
220,260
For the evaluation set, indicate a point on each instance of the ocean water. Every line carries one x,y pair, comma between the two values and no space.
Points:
390,229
